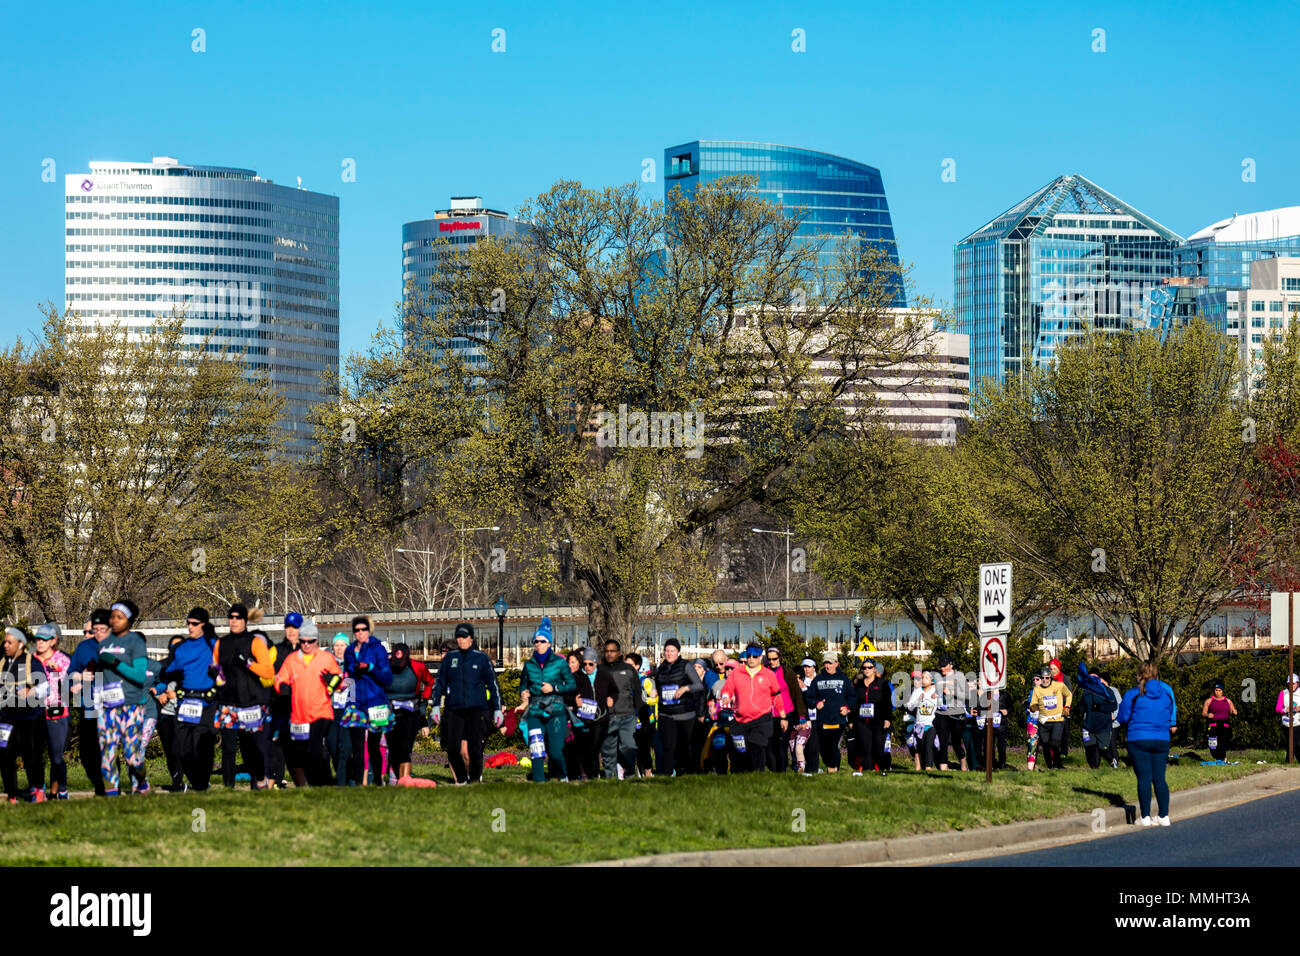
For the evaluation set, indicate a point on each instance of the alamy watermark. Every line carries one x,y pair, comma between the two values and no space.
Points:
637,429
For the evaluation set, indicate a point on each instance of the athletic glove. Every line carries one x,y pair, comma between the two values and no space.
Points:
243,660
331,681
363,667
107,661
213,671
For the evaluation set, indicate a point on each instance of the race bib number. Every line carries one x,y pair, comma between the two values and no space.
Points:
738,741
536,743
997,720
1214,743
6,731
190,711
887,744
250,718
667,692
1087,737
378,714
979,722
299,731
404,704
586,708
1049,702
867,710
113,695
812,714
340,699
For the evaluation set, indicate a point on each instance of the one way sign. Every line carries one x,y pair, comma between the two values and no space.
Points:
995,598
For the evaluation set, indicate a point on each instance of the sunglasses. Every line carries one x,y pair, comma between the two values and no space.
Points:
234,617
190,623
87,631
541,641
358,630
307,640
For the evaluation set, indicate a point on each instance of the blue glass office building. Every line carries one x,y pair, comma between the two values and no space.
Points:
835,195
1218,258
1068,256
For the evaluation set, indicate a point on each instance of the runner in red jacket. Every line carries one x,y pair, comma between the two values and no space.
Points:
754,694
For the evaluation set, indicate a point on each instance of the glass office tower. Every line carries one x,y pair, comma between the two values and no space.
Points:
835,195
1219,257
1067,257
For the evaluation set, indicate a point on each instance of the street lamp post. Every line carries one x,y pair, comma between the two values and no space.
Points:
857,628
501,607
788,535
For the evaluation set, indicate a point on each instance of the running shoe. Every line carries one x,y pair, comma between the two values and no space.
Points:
1163,821
38,795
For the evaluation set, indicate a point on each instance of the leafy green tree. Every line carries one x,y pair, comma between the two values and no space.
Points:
1114,475
637,374
134,464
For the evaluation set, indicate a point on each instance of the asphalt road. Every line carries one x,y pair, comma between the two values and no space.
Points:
1262,832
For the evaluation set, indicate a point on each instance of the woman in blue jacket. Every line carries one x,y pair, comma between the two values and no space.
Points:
369,713
1150,714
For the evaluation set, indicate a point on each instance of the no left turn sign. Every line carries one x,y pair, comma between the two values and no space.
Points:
993,662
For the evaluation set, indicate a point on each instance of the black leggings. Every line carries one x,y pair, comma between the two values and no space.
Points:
309,760
167,734
468,726
1223,737
253,744
88,751
26,740
676,736
364,742
56,732
828,748
194,745
950,730
401,738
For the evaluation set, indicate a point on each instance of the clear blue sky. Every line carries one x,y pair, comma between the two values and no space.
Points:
413,92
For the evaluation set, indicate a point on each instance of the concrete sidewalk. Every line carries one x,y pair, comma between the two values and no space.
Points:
971,844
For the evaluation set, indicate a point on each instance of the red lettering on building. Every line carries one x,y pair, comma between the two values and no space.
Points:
454,226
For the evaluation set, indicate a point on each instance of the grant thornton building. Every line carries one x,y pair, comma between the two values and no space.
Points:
254,265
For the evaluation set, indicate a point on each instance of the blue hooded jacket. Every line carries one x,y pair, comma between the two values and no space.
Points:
1149,714
188,664
370,685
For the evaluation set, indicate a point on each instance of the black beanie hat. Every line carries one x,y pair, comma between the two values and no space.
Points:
465,630
673,642
99,616
240,610
199,614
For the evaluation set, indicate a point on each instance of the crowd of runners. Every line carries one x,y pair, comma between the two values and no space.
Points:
350,713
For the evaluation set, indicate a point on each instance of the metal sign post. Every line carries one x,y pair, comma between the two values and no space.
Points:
992,678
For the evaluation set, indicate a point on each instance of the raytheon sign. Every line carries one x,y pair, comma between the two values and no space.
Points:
459,224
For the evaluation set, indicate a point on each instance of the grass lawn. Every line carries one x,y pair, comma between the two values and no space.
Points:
552,823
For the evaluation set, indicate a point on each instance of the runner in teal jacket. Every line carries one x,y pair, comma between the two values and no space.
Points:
546,721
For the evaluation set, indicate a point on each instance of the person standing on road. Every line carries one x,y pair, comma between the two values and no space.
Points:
122,662
311,676
752,692
467,683
1051,702
949,722
1288,705
370,715
924,702
23,688
675,680
1220,711
623,702
1096,703
46,638
1151,715
831,701
542,683
85,696
190,667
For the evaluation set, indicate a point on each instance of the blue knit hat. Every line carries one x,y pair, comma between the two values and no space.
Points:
544,630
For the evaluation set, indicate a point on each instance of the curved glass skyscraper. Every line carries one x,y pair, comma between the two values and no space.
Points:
835,195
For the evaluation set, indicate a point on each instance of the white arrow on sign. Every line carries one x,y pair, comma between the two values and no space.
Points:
995,598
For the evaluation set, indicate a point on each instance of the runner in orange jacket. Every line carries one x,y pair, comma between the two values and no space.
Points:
312,676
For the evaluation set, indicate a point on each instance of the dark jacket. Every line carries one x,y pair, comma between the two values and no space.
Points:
243,688
621,682
554,672
680,673
880,695
23,670
371,684
837,691
467,680
188,665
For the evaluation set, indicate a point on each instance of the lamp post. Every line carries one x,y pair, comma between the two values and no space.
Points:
857,628
788,535
501,607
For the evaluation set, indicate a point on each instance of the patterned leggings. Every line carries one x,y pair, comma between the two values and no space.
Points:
122,727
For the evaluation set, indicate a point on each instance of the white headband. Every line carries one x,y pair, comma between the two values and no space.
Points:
121,607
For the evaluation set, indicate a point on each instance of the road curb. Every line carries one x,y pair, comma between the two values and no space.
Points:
951,844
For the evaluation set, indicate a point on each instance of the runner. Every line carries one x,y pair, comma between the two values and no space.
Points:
23,686
1220,711
1288,705
752,692
85,696
1096,704
875,706
831,700
1031,726
371,715
404,695
311,676
674,681
623,704
1051,701
244,660
544,678
467,683
1059,676
805,734
191,668
580,702
339,738
924,702
647,718
278,732
57,719
166,693
949,722
778,751
122,660
1150,713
